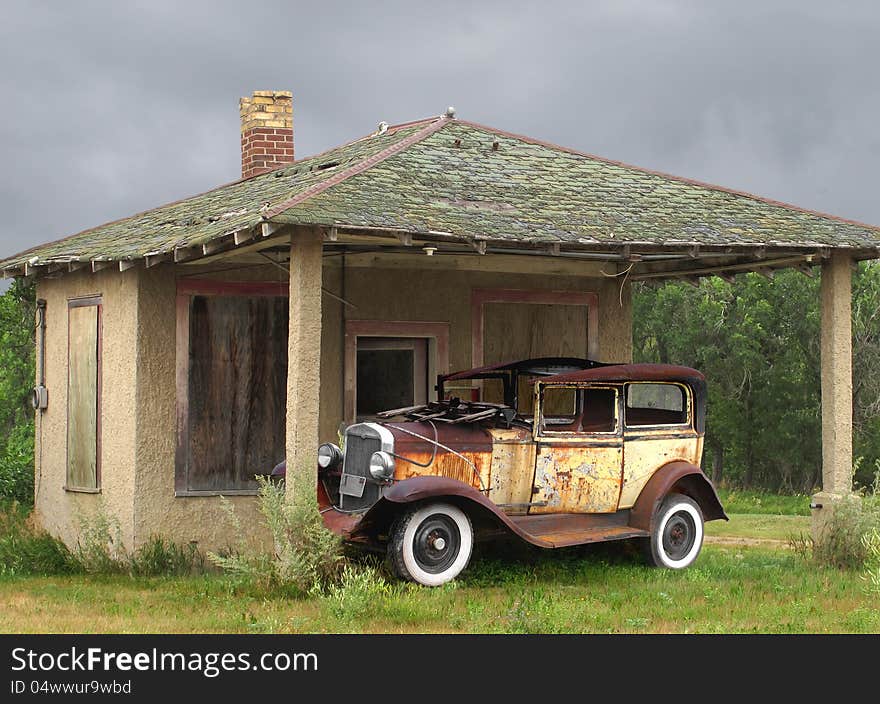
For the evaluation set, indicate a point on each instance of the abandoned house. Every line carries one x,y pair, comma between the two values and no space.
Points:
185,349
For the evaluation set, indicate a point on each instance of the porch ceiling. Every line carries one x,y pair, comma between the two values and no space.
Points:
471,190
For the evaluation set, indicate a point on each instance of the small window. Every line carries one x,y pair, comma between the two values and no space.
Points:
655,404
83,394
391,373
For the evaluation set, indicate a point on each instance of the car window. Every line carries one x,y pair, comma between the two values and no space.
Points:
599,411
559,407
584,410
655,404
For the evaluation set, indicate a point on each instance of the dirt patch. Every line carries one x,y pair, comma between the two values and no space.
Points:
754,542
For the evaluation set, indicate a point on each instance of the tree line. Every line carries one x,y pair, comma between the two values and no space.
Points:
757,341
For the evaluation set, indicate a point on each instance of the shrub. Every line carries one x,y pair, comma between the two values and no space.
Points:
17,464
307,558
24,549
843,541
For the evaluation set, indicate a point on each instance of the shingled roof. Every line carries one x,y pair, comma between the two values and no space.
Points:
459,181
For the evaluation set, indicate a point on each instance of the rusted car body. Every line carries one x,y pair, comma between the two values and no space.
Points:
572,452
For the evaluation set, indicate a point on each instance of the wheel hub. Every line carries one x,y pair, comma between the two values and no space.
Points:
436,543
679,535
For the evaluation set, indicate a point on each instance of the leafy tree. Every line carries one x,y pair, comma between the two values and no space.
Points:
866,367
757,341
16,380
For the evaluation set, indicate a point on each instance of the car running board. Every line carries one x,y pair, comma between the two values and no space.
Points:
559,530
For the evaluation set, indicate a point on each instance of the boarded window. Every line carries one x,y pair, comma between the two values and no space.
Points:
236,387
83,393
514,331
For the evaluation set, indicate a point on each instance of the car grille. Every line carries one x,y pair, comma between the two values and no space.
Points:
360,444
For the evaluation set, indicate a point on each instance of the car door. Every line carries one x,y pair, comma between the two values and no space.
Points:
579,449
658,429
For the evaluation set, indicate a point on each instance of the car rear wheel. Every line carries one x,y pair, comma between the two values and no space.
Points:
677,535
431,544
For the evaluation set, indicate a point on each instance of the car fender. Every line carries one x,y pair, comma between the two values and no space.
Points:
407,491
679,477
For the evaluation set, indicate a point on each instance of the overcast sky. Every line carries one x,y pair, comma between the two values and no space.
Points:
110,108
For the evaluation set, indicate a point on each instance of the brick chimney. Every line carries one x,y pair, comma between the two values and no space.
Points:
266,131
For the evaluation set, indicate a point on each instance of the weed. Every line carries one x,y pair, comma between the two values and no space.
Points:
25,549
871,575
159,557
842,540
307,558
99,548
360,594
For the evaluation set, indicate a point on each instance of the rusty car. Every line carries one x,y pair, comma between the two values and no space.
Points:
556,451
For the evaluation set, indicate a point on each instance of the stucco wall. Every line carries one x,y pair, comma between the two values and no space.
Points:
198,519
58,510
140,399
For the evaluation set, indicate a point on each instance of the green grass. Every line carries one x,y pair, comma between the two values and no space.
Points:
757,526
603,589
747,501
746,580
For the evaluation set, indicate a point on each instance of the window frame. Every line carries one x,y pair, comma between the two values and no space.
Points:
420,361
540,433
481,296
186,290
686,399
436,333
92,300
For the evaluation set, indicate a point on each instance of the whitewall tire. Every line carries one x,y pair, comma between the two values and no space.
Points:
431,544
677,535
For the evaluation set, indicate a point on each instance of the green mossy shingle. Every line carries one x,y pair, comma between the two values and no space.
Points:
535,193
454,181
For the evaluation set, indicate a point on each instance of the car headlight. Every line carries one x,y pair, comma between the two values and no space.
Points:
329,456
381,466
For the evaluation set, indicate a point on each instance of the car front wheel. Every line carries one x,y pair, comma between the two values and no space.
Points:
677,535
431,544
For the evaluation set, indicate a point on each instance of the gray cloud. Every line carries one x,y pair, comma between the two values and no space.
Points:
111,108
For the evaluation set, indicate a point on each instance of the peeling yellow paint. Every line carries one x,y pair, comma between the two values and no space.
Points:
574,476
513,463
646,452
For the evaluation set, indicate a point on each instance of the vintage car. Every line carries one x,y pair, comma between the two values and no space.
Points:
571,451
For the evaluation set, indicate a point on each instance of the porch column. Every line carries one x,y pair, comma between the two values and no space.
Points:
303,363
836,385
